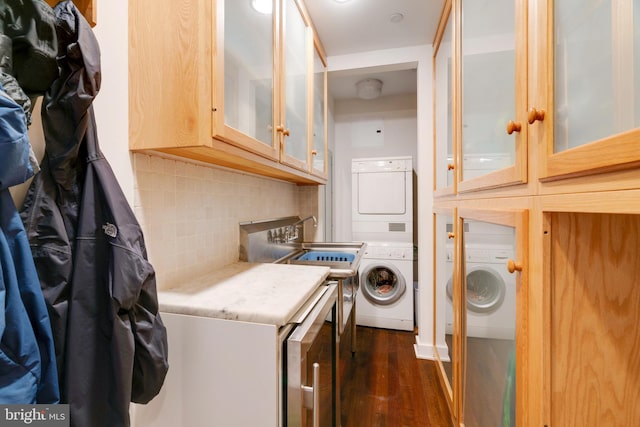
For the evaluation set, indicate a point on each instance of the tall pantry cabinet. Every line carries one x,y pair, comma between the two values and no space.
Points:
537,163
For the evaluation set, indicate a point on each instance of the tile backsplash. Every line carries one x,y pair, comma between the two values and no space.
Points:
190,212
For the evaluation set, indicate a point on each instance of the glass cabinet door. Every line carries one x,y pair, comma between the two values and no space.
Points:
443,81
491,291
318,153
297,41
447,331
493,67
247,88
596,91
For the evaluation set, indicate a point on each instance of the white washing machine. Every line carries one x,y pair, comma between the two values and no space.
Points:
385,299
491,292
382,199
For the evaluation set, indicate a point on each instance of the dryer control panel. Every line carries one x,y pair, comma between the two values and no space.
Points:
389,251
483,255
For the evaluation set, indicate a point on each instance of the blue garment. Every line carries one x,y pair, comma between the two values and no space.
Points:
28,371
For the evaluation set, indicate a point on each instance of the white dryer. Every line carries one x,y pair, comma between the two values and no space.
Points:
382,199
385,299
491,292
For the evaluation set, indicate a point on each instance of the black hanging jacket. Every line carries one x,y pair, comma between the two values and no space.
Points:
111,345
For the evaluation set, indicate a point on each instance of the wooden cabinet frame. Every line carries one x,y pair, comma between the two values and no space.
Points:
451,390
620,151
323,173
447,11
590,284
518,172
302,164
220,129
519,220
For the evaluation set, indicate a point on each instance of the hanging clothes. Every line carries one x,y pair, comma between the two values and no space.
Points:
89,250
30,26
27,359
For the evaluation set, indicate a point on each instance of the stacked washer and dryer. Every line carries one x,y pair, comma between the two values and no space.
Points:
382,216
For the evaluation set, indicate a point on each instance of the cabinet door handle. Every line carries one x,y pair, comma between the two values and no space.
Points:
513,266
314,390
281,129
314,152
450,167
535,115
513,127
450,235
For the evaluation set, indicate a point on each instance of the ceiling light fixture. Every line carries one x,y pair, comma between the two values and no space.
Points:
262,6
369,88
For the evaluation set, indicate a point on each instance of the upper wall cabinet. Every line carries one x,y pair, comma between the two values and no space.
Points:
493,87
445,152
319,113
296,125
244,96
591,88
221,82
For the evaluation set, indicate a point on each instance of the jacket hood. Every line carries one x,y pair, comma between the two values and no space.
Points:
67,110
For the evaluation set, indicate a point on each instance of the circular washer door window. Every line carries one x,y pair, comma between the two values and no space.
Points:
485,290
382,284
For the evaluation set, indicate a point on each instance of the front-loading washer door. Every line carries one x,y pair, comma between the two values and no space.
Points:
382,283
485,290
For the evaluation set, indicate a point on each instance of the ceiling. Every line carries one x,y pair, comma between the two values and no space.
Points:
365,25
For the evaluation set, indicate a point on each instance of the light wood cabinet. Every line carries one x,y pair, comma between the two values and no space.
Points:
443,93
220,82
319,165
446,314
88,8
480,314
590,70
576,206
492,136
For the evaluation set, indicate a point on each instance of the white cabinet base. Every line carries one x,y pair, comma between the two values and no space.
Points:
221,373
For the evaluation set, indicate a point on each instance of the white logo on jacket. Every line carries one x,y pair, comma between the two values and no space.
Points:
110,230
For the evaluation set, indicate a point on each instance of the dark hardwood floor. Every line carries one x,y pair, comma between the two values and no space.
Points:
385,385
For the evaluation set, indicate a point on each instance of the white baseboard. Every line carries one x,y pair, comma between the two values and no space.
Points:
424,350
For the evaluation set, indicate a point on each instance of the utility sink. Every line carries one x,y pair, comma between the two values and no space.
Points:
342,258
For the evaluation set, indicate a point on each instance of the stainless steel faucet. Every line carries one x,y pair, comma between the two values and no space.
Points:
315,221
293,228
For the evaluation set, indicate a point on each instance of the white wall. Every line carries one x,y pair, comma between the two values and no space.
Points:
384,127
420,58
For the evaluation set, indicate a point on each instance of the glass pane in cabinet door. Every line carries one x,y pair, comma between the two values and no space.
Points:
319,73
596,90
296,43
488,86
248,70
445,322
489,392
443,111
636,60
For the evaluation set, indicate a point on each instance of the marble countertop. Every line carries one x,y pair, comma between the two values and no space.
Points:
251,292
